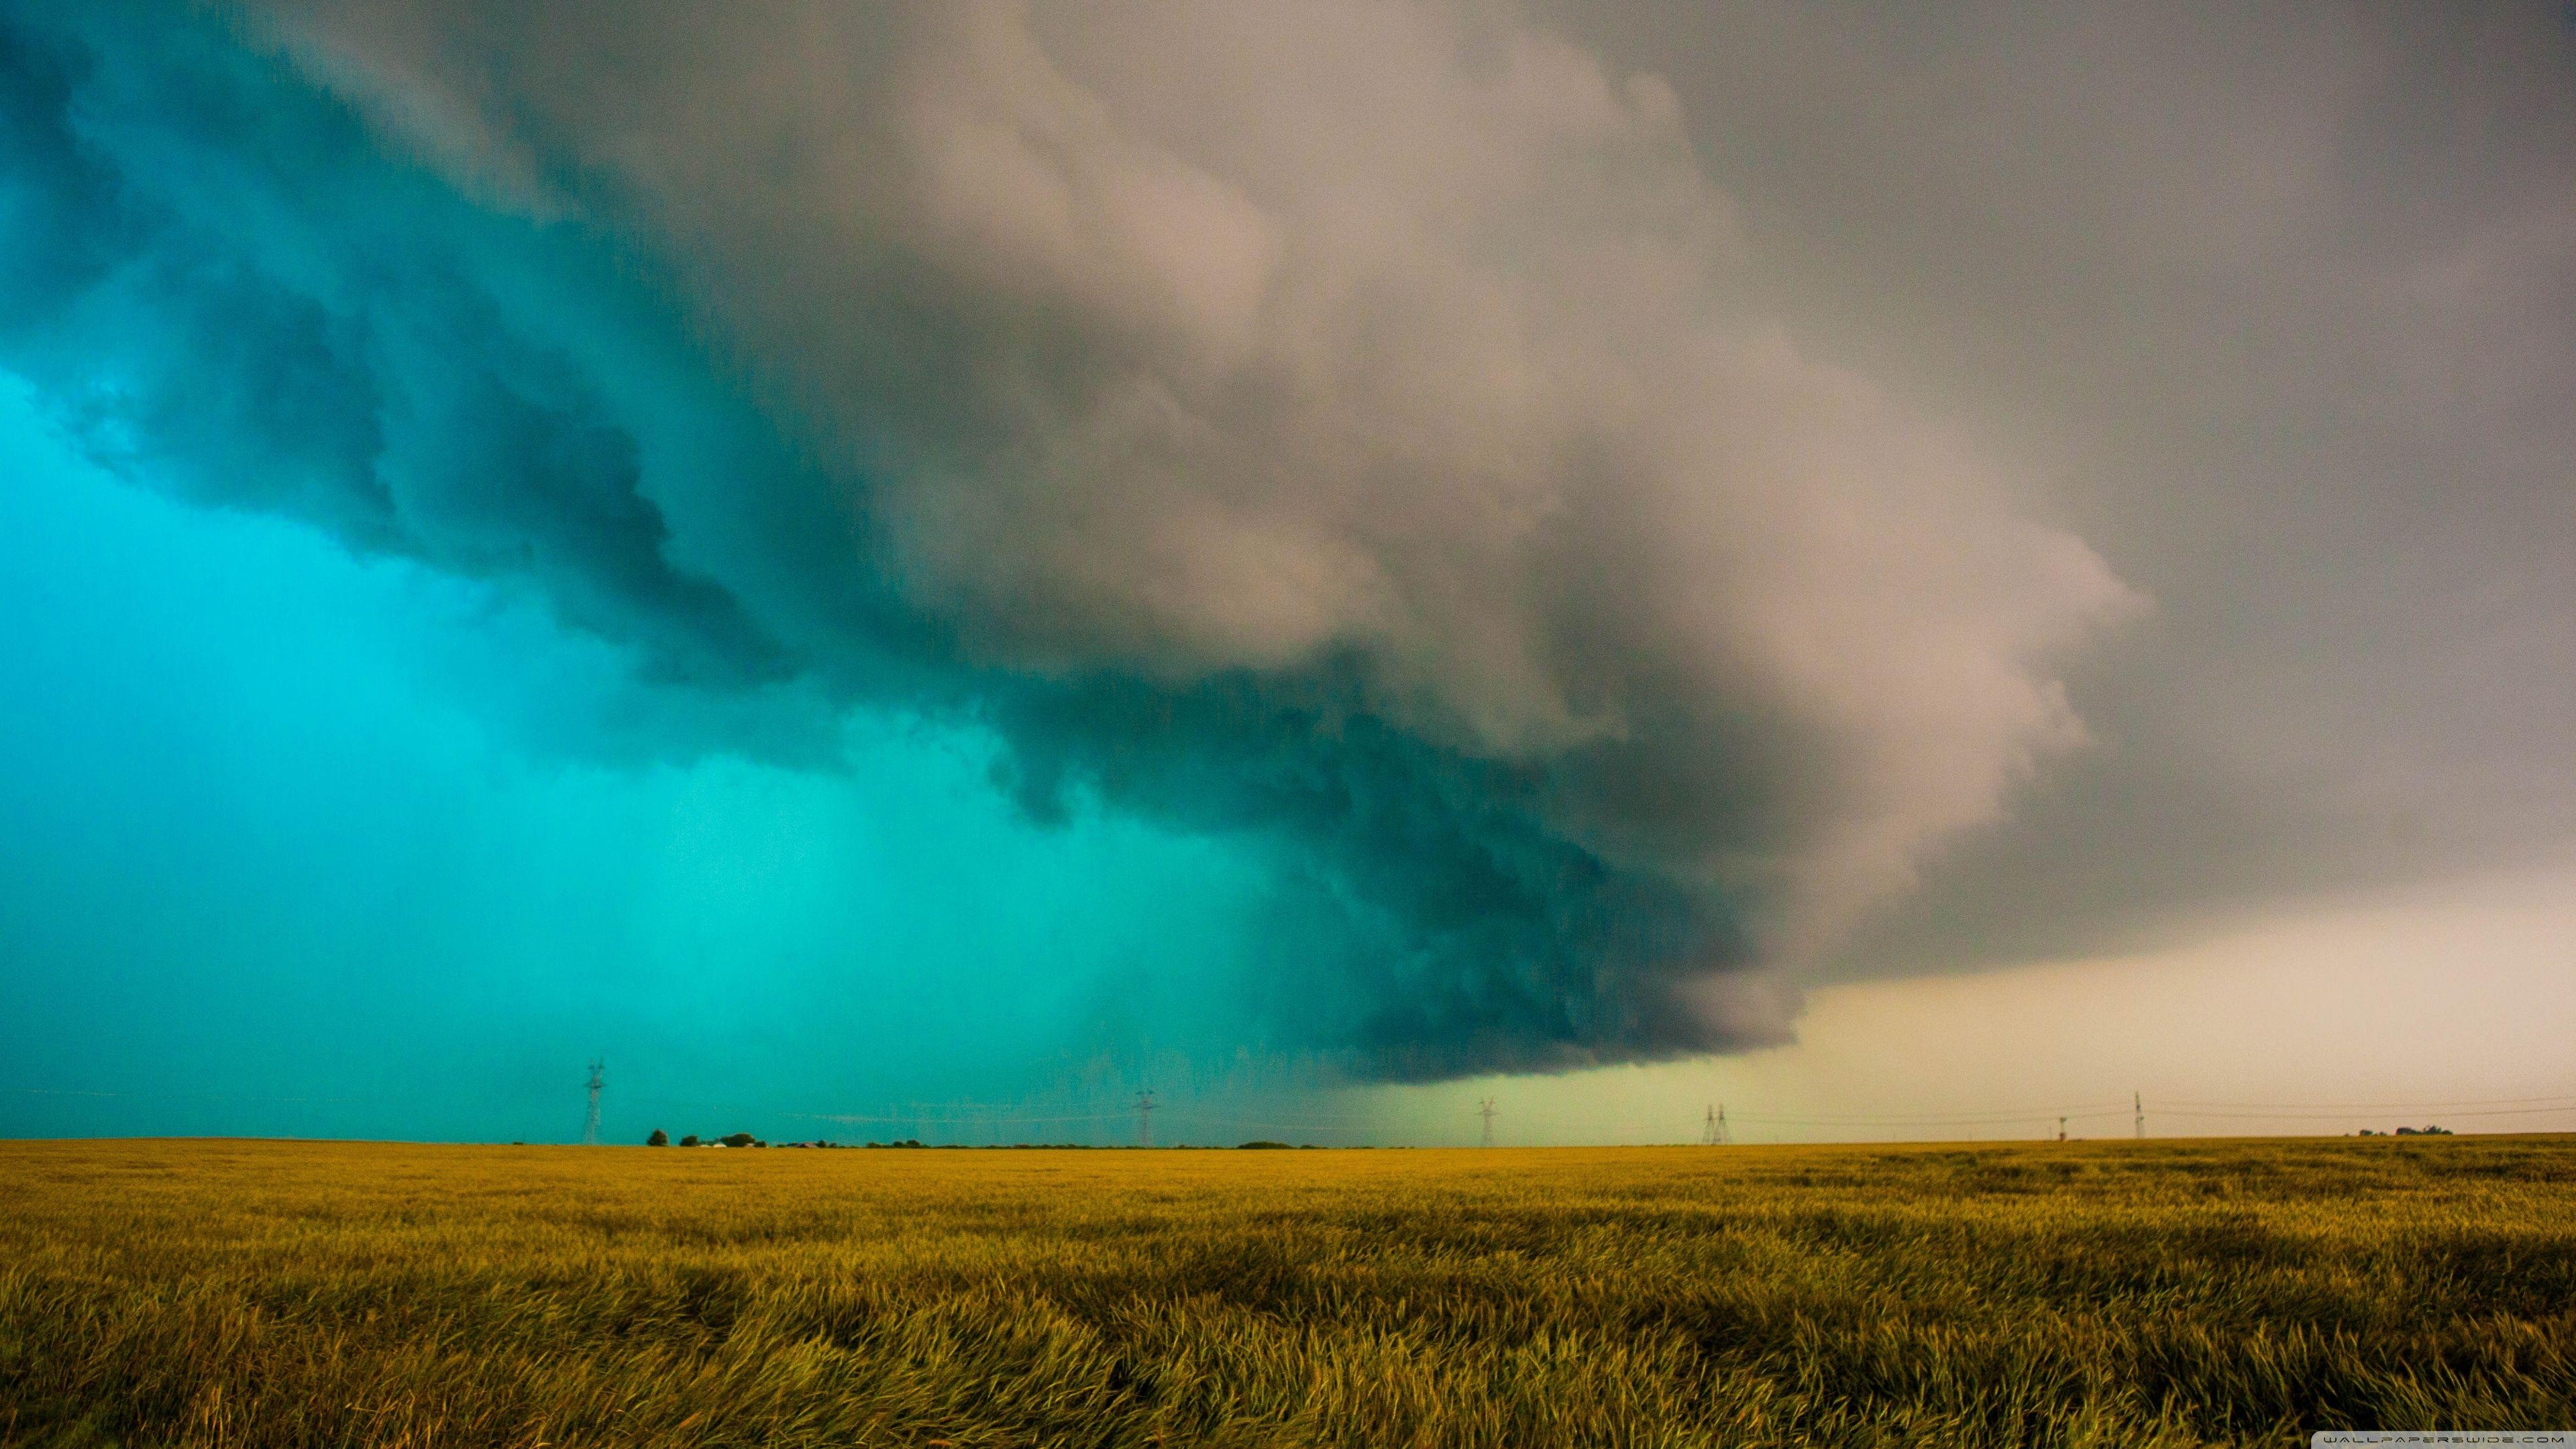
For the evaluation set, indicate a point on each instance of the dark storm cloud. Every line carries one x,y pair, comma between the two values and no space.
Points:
1346,429
375,392
1468,935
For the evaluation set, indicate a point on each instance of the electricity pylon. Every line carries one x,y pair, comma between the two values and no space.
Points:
1144,1119
2139,1100
590,1118
1713,1133
1485,1109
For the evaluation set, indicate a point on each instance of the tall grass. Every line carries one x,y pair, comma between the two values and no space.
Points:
257,1294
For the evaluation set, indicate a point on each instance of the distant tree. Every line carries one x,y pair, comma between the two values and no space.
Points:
659,1138
689,1141
1264,1145
736,1139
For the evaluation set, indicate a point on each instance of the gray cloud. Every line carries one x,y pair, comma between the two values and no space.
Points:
1351,427
2278,308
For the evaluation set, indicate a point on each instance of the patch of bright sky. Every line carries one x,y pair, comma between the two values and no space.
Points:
2457,993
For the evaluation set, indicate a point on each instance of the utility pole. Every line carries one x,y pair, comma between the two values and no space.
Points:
2061,1129
1144,1119
590,1118
2139,1100
1485,1109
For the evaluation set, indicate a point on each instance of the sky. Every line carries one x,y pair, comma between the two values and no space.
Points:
922,572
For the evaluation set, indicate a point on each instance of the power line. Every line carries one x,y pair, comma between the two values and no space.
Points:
915,1119
993,1123
1997,1119
2371,1106
1717,1122
1241,1122
2136,1112
2307,1116
1329,1121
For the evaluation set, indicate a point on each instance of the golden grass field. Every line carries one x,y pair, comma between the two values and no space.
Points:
263,1293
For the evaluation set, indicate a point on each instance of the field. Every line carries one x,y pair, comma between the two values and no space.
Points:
252,1294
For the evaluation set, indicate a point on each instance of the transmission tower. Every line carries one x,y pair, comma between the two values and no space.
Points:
2061,1129
2138,1099
1485,1109
1144,1119
590,1117
1713,1132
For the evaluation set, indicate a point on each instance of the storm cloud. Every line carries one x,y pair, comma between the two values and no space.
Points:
2282,302
1352,429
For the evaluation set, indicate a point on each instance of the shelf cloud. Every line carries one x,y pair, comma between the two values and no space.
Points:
1346,429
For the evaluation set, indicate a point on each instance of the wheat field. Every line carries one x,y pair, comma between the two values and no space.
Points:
267,1294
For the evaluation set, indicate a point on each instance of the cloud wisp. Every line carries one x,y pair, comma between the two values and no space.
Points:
1336,427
